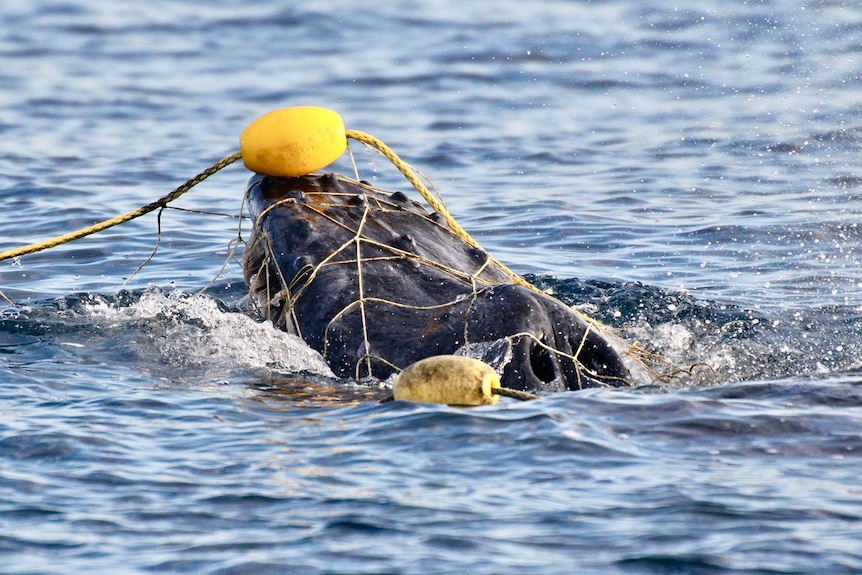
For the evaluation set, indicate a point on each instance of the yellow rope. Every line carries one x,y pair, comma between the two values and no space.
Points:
408,172
160,203
435,204
514,393
503,391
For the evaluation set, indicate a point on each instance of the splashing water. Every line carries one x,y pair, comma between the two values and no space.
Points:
197,335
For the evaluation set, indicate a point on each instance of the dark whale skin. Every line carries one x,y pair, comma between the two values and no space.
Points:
424,291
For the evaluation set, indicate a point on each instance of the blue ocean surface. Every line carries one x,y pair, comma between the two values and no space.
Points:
687,173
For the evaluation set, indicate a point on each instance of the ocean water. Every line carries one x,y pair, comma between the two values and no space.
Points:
686,172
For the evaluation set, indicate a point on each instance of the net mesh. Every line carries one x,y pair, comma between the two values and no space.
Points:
374,281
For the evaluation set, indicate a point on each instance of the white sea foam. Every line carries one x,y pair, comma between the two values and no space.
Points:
191,331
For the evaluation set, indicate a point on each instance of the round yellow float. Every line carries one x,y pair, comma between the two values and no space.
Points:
293,142
448,379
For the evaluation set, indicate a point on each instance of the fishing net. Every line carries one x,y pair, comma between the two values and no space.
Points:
374,281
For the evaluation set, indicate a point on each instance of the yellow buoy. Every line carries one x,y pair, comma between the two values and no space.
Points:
448,379
293,142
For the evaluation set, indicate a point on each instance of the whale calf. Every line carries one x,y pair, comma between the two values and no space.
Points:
375,282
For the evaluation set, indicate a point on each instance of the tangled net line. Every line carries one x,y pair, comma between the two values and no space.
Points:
350,252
